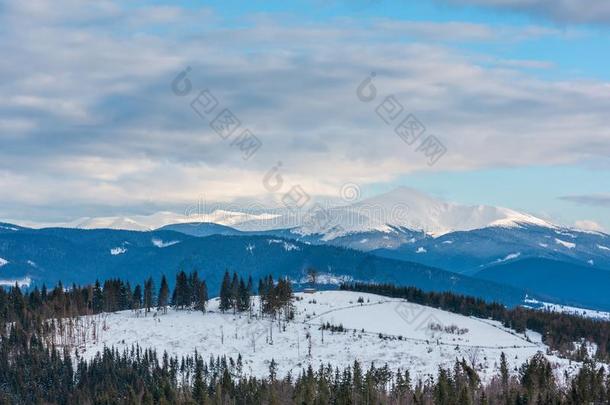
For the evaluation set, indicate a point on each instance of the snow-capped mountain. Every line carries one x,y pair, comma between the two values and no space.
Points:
398,211
156,220
406,208
404,224
402,208
516,255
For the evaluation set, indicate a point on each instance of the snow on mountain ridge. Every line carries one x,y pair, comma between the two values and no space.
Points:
229,218
411,209
156,220
401,208
112,223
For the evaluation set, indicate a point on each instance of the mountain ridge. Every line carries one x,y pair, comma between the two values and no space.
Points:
402,207
82,256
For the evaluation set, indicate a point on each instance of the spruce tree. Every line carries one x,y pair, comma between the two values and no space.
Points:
163,295
504,375
243,296
148,294
181,297
234,292
199,388
250,286
137,297
225,292
193,284
202,296
98,296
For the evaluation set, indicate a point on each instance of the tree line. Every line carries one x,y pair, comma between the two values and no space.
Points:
34,373
30,309
274,296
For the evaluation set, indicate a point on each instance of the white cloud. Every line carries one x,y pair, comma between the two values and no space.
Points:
10,128
99,126
589,225
601,200
563,11
526,63
459,31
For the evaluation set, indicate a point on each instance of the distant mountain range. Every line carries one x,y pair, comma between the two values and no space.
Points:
407,225
402,208
155,221
471,251
403,234
81,256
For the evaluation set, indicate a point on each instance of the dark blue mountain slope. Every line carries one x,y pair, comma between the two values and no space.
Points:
554,281
81,256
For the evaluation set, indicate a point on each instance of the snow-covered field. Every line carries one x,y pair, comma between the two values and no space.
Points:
379,330
566,309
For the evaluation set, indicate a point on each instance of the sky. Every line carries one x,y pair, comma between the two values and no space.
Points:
133,107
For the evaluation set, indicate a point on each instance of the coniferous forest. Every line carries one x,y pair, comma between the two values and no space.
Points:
36,368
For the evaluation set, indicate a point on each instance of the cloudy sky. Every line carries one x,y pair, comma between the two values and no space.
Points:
95,119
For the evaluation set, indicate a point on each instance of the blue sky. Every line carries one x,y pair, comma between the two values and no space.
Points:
518,91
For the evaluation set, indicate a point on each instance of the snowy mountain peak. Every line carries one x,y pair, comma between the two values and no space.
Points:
158,220
401,208
111,223
408,208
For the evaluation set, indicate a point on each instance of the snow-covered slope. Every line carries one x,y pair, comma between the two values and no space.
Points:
566,309
379,330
